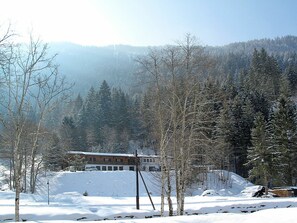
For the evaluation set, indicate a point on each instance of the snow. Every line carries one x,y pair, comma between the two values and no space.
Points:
111,197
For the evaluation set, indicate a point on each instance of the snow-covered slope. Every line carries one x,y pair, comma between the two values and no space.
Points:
98,183
123,183
111,196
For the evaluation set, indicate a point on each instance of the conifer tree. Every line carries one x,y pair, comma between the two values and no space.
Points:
283,139
264,75
243,115
104,105
259,154
89,119
223,130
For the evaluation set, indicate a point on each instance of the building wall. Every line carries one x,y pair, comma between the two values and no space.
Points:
116,162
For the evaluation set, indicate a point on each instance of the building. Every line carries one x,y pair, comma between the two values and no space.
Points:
111,161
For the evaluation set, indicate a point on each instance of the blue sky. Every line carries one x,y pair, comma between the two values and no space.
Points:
151,22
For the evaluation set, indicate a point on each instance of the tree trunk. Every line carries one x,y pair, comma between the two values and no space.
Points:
17,177
169,201
33,171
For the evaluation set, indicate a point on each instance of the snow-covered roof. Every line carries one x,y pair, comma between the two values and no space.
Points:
110,154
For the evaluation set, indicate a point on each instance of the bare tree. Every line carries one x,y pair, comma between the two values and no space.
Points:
152,66
175,73
30,81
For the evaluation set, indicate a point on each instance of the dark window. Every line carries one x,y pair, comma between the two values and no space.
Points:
90,158
131,168
152,168
109,167
115,168
121,168
94,158
98,167
104,168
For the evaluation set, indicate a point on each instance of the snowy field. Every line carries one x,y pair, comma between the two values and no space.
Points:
111,197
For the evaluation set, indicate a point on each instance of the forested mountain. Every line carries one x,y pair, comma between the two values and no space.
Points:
287,44
86,66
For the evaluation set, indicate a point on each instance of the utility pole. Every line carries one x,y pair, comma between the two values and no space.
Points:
137,181
48,190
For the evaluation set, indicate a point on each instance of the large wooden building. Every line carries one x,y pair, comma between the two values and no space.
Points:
113,161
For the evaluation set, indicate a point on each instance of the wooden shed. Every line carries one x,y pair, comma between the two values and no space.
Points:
284,192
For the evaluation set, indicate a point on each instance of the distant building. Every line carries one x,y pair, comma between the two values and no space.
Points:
112,161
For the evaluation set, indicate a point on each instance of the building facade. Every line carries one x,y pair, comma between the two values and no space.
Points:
91,161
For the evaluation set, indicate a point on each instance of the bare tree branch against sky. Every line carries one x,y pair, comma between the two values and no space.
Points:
151,22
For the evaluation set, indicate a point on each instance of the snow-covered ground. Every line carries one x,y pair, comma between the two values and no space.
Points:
111,197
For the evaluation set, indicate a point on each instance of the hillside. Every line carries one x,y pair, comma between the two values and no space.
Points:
123,183
88,66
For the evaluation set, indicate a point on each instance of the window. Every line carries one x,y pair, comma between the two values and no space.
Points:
131,168
151,160
104,168
109,168
90,159
94,159
121,168
98,167
152,168
115,168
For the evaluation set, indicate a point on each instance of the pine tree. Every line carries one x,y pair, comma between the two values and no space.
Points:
222,151
104,105
264,75
291,73
243,116
283,136
70,134
259,154
77,106
120,120
88,120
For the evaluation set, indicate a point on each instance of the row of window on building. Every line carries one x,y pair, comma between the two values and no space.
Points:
93,159
148,160
108,168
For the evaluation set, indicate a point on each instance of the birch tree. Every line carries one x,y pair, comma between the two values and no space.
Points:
175,72
30,80
151,65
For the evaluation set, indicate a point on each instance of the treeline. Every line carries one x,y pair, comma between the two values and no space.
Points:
105,121
246,124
